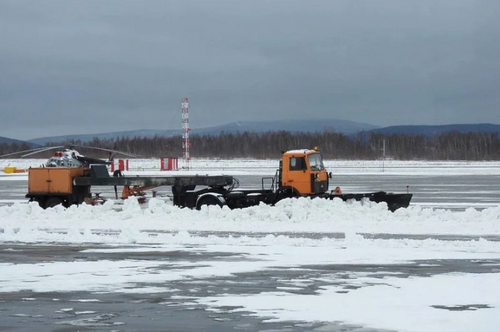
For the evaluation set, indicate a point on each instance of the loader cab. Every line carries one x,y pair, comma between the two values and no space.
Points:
303,170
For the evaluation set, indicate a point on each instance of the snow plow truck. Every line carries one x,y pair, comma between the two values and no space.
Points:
301,173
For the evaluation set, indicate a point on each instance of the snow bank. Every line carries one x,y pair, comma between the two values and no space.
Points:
133,223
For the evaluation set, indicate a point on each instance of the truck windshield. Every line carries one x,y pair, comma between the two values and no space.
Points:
316,162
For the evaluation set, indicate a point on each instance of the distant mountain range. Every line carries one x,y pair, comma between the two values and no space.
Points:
11,140
340,126
435,130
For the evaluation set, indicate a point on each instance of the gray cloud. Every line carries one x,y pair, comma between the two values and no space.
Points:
94,66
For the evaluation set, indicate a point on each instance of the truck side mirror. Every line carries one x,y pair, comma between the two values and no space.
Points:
330,175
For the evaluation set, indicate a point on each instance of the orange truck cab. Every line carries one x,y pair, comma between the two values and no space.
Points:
303,170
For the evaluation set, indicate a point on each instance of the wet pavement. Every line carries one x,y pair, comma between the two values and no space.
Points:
160,311
175,310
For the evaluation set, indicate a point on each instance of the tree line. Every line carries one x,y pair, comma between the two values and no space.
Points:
268,145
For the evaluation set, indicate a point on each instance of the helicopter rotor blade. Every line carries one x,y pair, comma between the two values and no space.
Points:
128,154
15,153
42,150
30,152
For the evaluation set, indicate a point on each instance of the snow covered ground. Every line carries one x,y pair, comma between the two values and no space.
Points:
297,236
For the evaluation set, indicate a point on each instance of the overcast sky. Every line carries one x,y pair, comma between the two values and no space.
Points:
76,67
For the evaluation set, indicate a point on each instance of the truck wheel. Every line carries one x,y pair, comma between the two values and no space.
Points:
53,201
208,200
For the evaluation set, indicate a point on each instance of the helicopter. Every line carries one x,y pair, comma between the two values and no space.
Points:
68,156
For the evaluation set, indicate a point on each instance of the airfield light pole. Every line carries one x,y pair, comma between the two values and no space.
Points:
185,132
383,154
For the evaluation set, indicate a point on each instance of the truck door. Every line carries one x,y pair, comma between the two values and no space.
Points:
296,175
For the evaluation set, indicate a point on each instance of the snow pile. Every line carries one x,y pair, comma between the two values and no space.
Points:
133,223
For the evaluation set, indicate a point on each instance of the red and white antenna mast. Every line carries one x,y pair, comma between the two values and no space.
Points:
185,132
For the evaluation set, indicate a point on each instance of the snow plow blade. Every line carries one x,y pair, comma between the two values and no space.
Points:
394,201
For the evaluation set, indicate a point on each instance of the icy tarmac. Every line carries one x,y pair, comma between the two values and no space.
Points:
304,265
